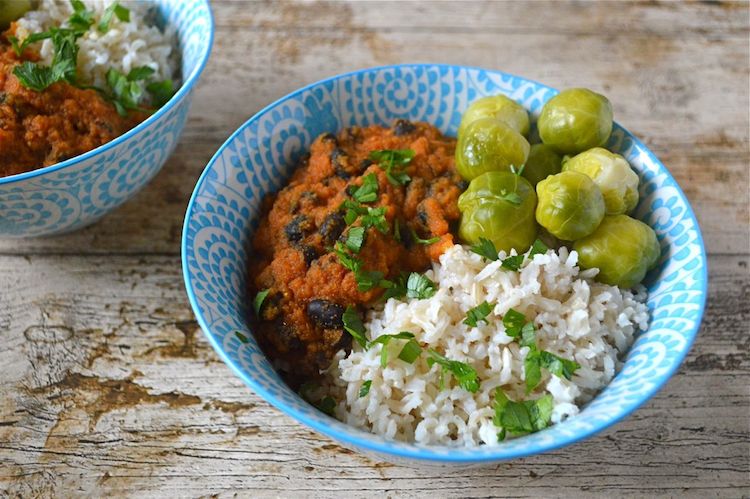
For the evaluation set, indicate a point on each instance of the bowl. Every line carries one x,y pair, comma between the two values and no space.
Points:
77,192
257,159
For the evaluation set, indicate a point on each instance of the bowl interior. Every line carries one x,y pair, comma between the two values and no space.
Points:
257,160
192,21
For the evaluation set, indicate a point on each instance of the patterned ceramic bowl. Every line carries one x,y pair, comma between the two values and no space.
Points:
257,160
77,192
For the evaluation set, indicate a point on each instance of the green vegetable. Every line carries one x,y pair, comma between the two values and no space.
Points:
368,191
486,249
12,10
543,161
327,405
465,375
410,352
385,339
570,206
622,248
512,262
612,173
478,313
115,9
346,259
562,368
520,418
81,19
368,279
419,240
420,286
538,248
241,337
161,92
514,321
260,297
125,91
500,108
393,162
353,325
489,145
395,288
355,237
63,67
532,367
575,120
375,217
487,212
365,388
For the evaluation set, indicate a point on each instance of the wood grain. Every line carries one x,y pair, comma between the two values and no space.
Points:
108,386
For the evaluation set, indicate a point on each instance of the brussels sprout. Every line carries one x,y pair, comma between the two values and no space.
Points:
489,145
543,161
622,248
612,173
499,107
498,206
11,10
570,206
575,120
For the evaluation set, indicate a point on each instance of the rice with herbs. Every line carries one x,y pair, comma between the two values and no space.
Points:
126,44
576,318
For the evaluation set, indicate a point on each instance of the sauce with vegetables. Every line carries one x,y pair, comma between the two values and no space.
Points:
364,207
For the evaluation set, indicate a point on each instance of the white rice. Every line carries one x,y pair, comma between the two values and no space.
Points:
126,45
577,319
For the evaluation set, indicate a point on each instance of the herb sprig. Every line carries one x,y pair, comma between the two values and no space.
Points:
521,418
393,161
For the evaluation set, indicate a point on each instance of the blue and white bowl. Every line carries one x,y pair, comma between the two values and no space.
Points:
257,159
77,192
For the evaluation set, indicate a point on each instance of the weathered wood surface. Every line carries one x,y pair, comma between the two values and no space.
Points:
109,388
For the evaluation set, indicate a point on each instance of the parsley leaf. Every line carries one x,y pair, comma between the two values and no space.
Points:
393,161
514,322
532,369
346,260
367,279
355,237
258,301
81,19
161,92
410,352
538,248
241,337
528,335
375,217
465,375
32,38
419,286
115,9
395,288
520,418
486,249
384,339
513,262
562,368
432,240
365,389
353,325
327,405
478,313
368,191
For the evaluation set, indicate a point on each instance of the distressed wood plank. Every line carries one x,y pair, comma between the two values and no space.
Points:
677,74
110,388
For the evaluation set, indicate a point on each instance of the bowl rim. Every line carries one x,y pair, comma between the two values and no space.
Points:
186,87
412,451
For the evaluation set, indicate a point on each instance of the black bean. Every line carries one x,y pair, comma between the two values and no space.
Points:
332,227
340,161
344,342
365,164
325,314
289,337
298,228
310,253
463,185
329,137
407,237
403,127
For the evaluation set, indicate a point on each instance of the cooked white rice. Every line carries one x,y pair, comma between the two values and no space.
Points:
126,45
577,318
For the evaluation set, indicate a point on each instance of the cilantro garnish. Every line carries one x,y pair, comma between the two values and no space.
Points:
385,339
432,240
368,191
161,92
395,288
367,279
353,325
375,217
512,262
538,248
478,313
513,321
562,368
393,161
520,418
117,10
410,352
486,249
260,297
355,237
365,389
465,375
347,261
419,286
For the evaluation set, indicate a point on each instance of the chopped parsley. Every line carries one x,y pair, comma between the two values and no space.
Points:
346,259
393,161
410,352
512,262
478,313
395,288
354,326
419,286
368,279
465,375
562,368
260,297
419,240
116,10
396,231
368,191
365,389
521,418
385,339
161,92
375,217
241,337
538,248
514,322
486,249
355,237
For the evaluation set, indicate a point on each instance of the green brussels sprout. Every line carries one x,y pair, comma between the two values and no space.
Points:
612,173
11,10
489,145
498,206
622,248
570,206
499,107
575,120
543,161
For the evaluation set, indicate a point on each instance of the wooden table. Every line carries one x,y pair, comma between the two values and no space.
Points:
109,388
